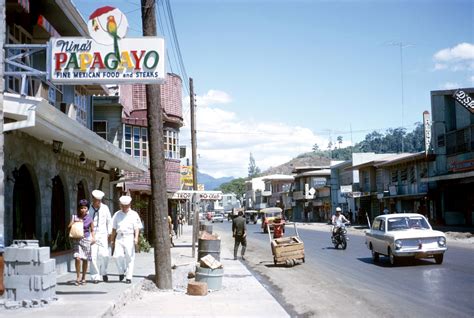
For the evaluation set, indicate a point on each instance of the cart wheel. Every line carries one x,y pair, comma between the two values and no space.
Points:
303,259
275,261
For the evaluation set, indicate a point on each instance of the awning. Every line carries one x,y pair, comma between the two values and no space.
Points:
36,117
451,176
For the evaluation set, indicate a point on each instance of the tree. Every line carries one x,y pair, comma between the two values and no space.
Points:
339,140
236,186
316,148
254,171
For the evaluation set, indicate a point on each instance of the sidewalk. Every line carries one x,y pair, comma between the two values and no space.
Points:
241,294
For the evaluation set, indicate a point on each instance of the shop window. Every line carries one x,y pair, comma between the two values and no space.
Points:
171,144
100,128
136,142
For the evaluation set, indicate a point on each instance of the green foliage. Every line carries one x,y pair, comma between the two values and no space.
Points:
143,244
390,142
254,171
61,242
236,186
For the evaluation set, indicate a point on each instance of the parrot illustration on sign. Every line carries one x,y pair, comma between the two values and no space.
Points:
107,25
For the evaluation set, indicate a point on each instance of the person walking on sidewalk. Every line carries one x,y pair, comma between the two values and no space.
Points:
103,229
125,230
82,246
239,232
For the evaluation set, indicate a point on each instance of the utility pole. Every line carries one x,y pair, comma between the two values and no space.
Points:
159,200
194,157
401,46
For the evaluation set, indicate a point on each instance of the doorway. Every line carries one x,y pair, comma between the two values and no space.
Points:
24,206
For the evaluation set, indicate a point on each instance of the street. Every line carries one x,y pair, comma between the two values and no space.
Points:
337,283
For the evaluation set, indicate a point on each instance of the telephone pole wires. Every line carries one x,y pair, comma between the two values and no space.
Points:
159,199
194,158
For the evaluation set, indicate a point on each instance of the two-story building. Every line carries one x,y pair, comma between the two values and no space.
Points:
275,193
51,156
451,177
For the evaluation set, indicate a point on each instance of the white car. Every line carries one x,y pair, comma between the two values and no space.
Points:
405,235
218,218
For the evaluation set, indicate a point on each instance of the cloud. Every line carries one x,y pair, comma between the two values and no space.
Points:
212,97
450,85
457,58
225,141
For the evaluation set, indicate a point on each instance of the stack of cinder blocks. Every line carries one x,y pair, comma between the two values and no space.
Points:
30,275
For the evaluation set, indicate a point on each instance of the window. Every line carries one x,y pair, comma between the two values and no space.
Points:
17,35
136,142
394,175
100,128
412,175
403,174
171,144
441,141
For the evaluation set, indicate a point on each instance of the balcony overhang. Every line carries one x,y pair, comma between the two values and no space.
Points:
36,117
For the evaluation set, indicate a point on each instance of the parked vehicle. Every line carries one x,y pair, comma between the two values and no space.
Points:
268,217
218,218
251,216
340,237
405,235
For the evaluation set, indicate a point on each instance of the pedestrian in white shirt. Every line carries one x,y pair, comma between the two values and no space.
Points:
125,230
100,213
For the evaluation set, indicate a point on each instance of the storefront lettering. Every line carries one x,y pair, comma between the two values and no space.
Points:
464,99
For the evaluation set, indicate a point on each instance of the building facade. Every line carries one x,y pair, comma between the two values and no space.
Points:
52,158
451,175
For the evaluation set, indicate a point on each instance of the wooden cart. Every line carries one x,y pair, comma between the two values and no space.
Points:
287,250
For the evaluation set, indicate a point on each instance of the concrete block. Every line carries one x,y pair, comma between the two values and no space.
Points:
35,282
15,254
17,282
43,254
48,281
24,243
42,268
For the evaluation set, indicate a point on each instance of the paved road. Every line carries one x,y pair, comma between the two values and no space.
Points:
336,283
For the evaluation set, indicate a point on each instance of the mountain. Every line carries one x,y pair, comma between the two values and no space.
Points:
211,183
305,159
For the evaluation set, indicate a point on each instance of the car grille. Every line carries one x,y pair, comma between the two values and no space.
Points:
430,242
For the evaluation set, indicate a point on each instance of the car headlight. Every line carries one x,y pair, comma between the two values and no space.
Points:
398,244
441,241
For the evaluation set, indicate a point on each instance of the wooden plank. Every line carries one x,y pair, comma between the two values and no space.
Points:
292,254
293,247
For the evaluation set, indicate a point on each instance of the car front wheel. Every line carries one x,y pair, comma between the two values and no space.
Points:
439,258
393,258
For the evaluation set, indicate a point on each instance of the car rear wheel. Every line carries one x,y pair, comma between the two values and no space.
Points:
393,259
375,255
439,258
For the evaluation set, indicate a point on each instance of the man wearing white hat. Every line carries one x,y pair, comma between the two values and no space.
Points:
125,229
103,229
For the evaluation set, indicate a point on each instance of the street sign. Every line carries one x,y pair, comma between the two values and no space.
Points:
346,188
200,195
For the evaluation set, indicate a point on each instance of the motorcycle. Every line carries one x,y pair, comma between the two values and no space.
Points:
340,237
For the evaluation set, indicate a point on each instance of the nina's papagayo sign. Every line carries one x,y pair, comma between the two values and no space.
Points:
107,57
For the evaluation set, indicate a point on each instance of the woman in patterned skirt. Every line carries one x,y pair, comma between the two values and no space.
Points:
82,247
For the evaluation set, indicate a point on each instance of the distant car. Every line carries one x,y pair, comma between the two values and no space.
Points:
218,218
405,235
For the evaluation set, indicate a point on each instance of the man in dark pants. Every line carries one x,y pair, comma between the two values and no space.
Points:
239,232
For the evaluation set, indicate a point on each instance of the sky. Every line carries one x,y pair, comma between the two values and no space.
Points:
275,77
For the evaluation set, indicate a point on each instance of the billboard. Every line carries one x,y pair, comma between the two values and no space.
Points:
187,176
107,57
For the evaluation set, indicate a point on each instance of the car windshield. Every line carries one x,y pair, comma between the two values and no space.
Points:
405,223
273,215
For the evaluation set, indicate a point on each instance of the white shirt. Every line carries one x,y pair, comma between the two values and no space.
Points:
102,219
339,220
126,223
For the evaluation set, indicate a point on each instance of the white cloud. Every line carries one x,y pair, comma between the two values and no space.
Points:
225,141
457,58
450,85
212,97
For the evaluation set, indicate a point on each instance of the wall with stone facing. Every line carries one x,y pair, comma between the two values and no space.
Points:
43,165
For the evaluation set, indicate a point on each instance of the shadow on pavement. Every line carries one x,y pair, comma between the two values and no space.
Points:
384,262
84,292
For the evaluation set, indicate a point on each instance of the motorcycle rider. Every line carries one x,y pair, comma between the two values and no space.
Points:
338,220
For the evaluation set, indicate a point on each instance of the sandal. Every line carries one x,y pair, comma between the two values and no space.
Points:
77,282
83,282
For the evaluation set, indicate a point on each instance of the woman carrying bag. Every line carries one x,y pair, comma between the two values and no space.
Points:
82,240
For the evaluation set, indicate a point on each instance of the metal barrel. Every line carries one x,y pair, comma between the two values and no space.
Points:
212,247
213,277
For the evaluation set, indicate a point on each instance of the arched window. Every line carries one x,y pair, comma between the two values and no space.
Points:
59,239
24,206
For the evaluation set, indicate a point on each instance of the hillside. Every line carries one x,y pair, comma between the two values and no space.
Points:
306,159
211,183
